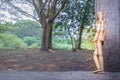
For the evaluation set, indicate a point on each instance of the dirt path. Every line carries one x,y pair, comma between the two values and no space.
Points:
70,75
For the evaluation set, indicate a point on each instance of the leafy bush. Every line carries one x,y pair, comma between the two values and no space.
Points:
32,41
9,40
34,45
61,43
87,40
27,28
6,27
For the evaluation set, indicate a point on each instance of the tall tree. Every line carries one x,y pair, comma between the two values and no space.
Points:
76,16
47,11
85,19
111,48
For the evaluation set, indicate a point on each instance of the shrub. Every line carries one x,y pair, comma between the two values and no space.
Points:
30,41
9,40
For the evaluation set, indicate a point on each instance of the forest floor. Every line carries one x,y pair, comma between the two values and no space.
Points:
36,60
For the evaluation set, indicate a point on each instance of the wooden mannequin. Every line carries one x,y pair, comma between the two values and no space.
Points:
98,42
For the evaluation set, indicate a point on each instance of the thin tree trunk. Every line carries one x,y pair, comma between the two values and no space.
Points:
71,39
80,39
82,26
111,48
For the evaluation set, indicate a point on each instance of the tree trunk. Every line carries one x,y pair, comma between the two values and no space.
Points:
111,48
50,37
47,17
80,38
71,38
47,37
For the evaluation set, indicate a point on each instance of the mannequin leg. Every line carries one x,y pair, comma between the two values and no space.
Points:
95,57
100,55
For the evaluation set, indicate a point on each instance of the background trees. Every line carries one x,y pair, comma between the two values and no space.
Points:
47,11
76,16
67,25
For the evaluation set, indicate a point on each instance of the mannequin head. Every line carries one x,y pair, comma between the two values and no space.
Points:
99,15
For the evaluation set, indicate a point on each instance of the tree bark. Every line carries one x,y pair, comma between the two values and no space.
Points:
80,38
111,48
47,38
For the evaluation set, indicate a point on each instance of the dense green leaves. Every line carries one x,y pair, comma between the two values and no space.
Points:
8,40
14,38
6,27
27,28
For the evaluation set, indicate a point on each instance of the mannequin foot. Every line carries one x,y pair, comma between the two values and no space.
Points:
97,71
101,71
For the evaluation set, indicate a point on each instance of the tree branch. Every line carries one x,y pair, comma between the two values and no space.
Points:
43,5
42,15
36,8
48,9
40,4
57,13
23,12
52,8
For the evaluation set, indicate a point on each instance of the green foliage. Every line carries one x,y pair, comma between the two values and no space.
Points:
61,43
32,41
59,30
8,40
34,45
27,28
27,34
61,39
6,27
88,45
87,40
75,15
23,34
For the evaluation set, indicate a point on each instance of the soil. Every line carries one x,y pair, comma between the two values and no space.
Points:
36,60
